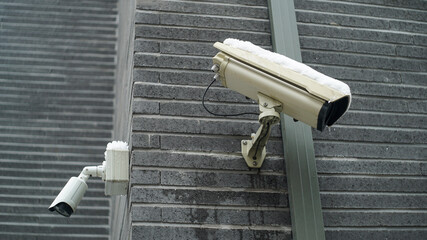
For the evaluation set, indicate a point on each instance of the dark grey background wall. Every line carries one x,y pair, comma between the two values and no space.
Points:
189,180
372,163
57,62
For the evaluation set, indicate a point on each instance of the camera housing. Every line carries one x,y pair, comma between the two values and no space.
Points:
114,171
304,98
279,85
69,198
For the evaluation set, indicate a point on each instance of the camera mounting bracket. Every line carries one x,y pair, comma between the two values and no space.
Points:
254,150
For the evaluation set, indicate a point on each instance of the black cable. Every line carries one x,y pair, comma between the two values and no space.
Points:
218,114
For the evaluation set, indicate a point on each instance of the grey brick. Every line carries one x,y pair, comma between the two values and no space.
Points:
416,4
420,40
208,197
188,48
359,74
416,27
55,124
53,140
199,34
374,183
69,133
373,200
380,104
49,148
58,33
141,140
411,51
149,90
213,179
55,109
88,221
201,161
418,106
147,17
161,61
99,47
341,20
260,3
366,150
64,93
215,22
205,8
146,107
382,119
56,117
156,124
172,232
372,135
352,46
101,230
82,58
64,17
389,234
374,218
150,214
142,75
49,157
147,46
374,167
374,89
354,34
362,10
145,176
197,110
13,236
414,78
213,216
187,78
364,61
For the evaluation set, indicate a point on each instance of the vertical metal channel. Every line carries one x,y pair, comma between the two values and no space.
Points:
303,185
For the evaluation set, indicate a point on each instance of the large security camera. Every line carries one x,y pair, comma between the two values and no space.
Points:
114,171
279,85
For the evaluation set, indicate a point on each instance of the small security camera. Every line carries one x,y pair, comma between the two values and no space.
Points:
70,196
279,85
114,171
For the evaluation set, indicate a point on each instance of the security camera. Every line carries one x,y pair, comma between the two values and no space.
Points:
114,171
70,196
279,85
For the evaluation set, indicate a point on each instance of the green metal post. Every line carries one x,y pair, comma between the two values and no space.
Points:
303,186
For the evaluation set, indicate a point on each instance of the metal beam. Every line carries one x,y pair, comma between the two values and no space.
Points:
303,185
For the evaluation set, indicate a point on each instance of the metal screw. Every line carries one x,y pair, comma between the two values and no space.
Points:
254,163
265,104
245,142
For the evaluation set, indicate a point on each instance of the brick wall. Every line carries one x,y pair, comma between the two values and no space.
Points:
371,164
188,178
57,62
